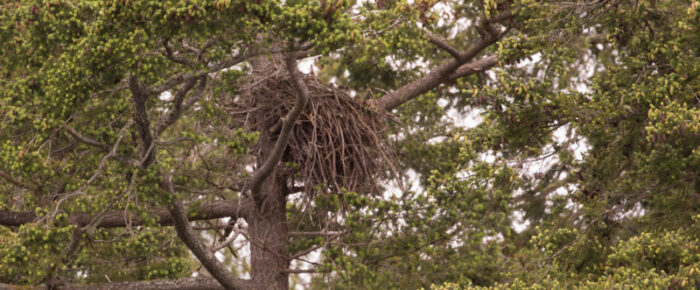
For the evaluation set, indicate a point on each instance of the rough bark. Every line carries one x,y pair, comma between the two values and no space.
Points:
203,283
267,224
268,236
199,283
140,117
434,78
218,270
119,218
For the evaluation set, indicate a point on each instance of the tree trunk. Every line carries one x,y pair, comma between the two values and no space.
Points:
267,230
268,237
267,224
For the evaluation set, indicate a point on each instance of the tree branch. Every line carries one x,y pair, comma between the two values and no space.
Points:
176,58
92,142
433,79
287,124
234,208
8,177
182,226
85,139
505,15
179,216
315,234
198,283
474,67
442,73
140,116
316,247
215,67
171,116
301,271
441,43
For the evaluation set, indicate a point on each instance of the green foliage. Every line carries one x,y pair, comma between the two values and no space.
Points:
646,261
29,254
589,134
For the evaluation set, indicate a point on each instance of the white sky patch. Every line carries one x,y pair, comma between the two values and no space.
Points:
219,256
166,96
488,156
308,65
436,140
528,63
399,64
445,13
469,119
411,183
497,237
579,146
589,69
636,211
446,17
518,221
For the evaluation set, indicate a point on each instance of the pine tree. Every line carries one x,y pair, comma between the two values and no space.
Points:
143,141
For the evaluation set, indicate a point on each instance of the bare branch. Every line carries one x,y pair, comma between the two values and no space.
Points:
198,283
215,67
171,116
92,142
441,73
112,153
441,43
140,116
199,52
475,67
85,139
176,58
175,80
505,15
113,219
287,124
315,234
316,247
182,226
226,242
301,271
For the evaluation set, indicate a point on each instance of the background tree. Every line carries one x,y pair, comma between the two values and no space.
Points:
137,132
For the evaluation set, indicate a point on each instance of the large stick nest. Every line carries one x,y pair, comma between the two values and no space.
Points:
337,143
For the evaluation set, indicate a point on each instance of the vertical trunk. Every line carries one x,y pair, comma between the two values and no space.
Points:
267,226
267,230
268,239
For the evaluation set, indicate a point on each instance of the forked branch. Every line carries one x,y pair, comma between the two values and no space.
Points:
188,236
448,70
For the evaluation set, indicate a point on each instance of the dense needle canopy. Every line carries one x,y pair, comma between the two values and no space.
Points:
503,144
